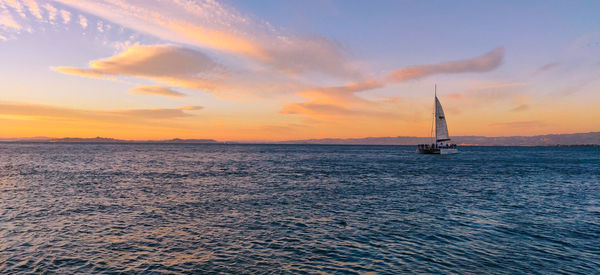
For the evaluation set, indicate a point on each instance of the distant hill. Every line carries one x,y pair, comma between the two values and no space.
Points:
592,138
104,140
112,140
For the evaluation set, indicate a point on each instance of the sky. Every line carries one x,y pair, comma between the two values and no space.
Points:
284,70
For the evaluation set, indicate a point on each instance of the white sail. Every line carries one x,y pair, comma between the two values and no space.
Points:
441,129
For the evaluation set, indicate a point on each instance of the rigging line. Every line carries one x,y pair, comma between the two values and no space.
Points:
433,115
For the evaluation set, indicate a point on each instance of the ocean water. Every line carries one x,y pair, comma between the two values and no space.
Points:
197,208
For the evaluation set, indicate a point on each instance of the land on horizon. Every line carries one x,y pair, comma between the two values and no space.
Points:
591,138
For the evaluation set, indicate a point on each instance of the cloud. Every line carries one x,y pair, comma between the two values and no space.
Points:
520,108
156,90
83,21
16,5
191,108
66,16
168,64
100,26
8,22
177,66
340,94
501,85
486,95
128,115
34,8
519,124
156,61
52,12
342,100
484,63
214,25
79,72
546,67
157,113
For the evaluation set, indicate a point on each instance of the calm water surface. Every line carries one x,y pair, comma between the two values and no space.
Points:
101,208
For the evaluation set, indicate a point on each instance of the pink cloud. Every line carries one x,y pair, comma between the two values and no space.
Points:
484,63
156,90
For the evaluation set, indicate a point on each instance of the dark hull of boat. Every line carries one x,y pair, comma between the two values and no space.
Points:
437,150
428,150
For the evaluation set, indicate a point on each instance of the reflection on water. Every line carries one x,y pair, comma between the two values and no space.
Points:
88,208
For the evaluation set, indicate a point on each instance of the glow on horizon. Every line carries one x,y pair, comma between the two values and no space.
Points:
239,70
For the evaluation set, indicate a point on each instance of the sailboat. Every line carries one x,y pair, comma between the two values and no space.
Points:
441,143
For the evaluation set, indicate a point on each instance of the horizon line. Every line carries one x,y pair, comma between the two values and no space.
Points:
283,140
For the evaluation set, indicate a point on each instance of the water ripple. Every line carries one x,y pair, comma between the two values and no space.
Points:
151,208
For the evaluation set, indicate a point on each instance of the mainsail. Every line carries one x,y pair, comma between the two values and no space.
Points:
441,129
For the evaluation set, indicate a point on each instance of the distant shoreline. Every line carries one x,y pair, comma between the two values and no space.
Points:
577,139
273,143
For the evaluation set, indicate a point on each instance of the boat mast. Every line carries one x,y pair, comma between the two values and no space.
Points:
432,121
435,113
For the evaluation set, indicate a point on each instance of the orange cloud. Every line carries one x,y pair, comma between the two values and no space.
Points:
163,63
155,61
218,40
484,63
340,95
191,108
79,72
342,100
8,22
66,16
337,103
217,26
487,95
156,90
520,108
37,110
52,12
25,119
502,85
519,124
34,8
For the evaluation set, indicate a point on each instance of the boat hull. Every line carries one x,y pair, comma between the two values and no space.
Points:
428,151
448,151
435,150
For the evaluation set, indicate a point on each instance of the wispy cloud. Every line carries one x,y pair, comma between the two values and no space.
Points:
483,63
519,124
8,22
79,72
546,67
33,8
83,21
16,5
168,64
338,100
37,110
156,90
100,26
66,16
501,85
52,12
487,95
213,25
520,108
177,66
341,102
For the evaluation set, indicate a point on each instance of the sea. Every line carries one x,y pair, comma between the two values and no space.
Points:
308,209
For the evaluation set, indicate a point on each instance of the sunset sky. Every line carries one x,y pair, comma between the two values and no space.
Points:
281,70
